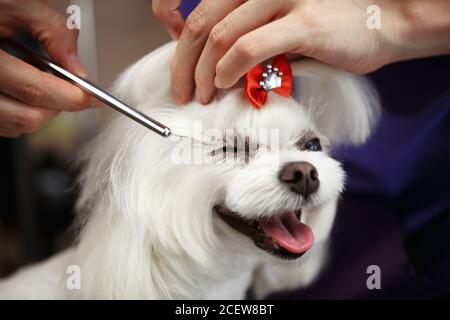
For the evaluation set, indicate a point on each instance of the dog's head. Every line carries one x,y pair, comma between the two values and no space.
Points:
260,180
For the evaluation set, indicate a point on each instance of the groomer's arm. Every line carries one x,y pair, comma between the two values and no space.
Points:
29,97
221,40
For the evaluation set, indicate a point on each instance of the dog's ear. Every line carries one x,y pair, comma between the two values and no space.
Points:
345,107
147,80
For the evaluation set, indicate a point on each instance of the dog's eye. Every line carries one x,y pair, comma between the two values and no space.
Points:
313,145
235,150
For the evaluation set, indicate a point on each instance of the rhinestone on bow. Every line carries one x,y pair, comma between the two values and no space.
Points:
271,78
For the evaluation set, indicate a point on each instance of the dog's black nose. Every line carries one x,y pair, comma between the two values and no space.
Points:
302,177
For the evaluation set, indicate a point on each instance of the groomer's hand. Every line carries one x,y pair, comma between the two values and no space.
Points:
221,40
28,96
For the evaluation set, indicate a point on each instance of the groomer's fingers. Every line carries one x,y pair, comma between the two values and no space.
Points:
192,40
34,87
244,19
49,27
17,118
275,38
167,11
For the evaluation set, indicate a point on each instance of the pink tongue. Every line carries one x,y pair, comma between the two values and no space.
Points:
288,232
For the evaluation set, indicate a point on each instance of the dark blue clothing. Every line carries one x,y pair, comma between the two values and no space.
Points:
395,212
406,163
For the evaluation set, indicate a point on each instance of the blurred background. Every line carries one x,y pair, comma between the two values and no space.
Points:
38,172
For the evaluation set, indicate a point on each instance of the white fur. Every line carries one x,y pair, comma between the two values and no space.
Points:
148,227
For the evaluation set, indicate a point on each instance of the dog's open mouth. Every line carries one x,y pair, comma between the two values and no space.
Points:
282,234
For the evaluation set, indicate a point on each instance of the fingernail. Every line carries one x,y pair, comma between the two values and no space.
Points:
218,83
77,66
200,97
175,94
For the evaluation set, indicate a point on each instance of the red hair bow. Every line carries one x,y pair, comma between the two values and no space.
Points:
276,77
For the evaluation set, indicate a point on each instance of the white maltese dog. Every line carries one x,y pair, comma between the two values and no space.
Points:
244,200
